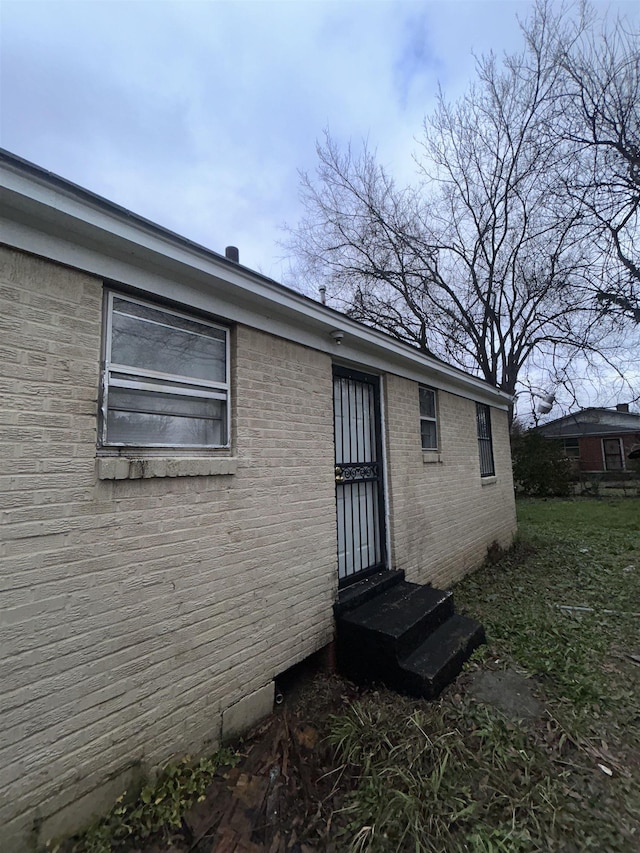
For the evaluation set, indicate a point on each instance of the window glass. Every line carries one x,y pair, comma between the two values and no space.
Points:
146,338
166,381
485,442
428,420
612,454
571,447
155,402
427,403
149,430
429,435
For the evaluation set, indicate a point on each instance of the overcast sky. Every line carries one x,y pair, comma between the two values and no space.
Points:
198,115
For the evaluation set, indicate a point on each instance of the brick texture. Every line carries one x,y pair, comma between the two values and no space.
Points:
592,453
442,516
136,611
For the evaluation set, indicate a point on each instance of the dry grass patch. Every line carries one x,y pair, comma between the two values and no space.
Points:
455,775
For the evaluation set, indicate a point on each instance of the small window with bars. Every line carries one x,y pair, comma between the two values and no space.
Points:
428,419
485,442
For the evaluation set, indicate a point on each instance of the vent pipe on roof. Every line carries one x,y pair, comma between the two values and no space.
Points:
622,407
323,294
232,253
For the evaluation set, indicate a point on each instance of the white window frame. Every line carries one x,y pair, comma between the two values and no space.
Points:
569,451
433,420
115,375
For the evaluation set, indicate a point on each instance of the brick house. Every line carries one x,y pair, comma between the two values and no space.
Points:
597,439
196,460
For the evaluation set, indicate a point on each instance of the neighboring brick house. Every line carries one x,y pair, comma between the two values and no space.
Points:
597,439
183,491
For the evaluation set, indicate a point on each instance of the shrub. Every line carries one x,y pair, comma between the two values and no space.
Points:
540,467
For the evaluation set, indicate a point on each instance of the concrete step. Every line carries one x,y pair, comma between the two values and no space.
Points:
439,658
374,636
358,593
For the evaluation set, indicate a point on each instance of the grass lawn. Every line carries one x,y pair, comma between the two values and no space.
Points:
396,774
456,775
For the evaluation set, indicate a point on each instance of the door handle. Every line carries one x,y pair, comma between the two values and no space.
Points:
339,477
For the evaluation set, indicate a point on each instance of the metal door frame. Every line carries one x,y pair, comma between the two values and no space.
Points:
373,381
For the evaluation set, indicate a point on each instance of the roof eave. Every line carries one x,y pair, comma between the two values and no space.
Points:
62,210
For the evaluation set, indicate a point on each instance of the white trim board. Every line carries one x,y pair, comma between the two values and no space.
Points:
48,217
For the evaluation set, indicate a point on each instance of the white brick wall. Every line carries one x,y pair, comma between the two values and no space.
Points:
136,611
442,516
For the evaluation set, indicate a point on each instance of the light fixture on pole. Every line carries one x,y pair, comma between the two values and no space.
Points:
547,399
546,402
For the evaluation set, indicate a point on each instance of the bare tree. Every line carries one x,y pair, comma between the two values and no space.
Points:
599,130
477,262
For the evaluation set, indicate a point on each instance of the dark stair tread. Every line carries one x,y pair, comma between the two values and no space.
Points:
394,611
458,635
358,593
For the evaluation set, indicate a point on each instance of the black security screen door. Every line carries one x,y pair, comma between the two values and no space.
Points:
359,480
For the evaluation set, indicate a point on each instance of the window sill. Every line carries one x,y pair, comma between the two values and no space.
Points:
488,481
122,468
431,456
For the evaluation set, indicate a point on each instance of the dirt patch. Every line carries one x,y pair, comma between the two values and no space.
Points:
282,795
512,693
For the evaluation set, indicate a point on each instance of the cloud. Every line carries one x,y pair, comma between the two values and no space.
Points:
198,115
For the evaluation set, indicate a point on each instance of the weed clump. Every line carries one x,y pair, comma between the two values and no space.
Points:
442,777
156,811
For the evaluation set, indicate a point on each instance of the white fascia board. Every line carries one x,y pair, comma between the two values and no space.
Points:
59,223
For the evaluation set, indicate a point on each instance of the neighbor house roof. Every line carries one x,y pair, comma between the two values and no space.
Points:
48,216
591,421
